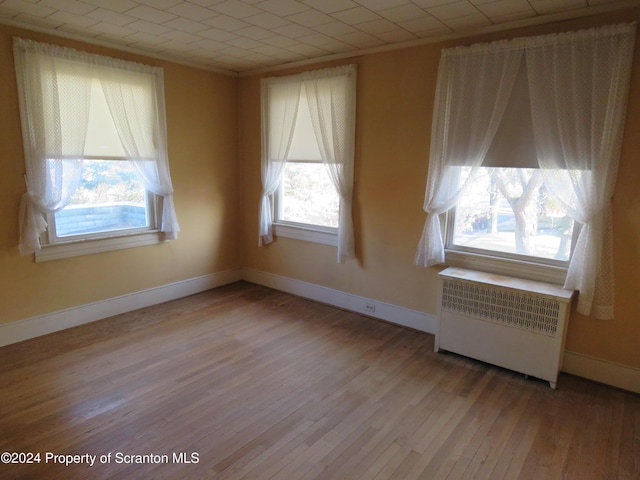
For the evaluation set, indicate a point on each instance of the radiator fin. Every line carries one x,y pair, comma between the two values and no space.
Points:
531,312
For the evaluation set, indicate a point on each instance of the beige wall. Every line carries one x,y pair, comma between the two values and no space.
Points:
395,101
202,141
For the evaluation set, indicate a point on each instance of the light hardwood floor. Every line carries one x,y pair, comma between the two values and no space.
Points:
261,384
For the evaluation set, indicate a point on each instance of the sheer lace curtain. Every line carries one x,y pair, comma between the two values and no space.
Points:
54,86
53,143
474,85
578,85
134,96
331,96
280,99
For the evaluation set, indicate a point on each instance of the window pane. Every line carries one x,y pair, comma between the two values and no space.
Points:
109,197
510,210
308,196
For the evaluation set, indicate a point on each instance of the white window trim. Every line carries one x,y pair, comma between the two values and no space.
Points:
90,246
306,232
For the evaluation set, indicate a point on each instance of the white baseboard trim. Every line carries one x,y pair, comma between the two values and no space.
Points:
384,311
603,371
52,322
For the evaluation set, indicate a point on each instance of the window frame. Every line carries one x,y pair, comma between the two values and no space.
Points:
55,248
310,232
504,263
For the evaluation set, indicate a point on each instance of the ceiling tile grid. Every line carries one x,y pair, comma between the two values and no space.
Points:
244,35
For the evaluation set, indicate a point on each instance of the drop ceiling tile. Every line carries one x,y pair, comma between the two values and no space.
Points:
161,4
255,33
148,27
35,10
506,8
210,45
425,26
114,5
217,35
72,19
151,14
109,16
382,4
267,20
186,25
69,6
181,37
335,29
294,31
398,35
453,10
146,38
236,9
45,22
377,26
356,15
191,11
282,8
235,52
467,22
280,41
552,6
112,29
426,4
310,18
308,50
225,22
361,40
330,6
270,50
245,43
402,13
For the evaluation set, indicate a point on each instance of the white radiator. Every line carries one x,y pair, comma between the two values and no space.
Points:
513,323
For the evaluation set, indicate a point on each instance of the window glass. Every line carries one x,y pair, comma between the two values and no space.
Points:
509,210
308,196
109,197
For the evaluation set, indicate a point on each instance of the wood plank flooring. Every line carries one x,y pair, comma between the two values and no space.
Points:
258,384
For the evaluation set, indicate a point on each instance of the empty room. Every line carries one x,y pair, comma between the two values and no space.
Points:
320,239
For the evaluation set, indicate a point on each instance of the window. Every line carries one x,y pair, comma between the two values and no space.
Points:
95,153
308,132
525,145
306,196
510,211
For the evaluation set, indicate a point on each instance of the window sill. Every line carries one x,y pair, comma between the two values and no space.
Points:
90,246
505,266
324,235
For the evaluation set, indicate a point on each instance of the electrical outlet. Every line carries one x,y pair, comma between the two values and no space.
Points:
370,307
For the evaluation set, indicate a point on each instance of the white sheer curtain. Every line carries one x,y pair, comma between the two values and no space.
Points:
134,96
474,85
579,84
331,94
54,86
54,110
280,101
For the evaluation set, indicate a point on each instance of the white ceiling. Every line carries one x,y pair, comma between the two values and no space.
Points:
245,35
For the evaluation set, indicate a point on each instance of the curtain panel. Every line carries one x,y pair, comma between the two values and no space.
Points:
331,97
578,86
54,88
